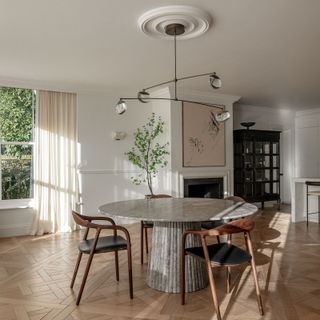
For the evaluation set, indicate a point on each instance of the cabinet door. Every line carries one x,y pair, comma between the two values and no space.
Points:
262,175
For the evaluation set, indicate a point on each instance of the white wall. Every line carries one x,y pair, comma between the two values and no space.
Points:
105,171
273,119
264,117
307,137
15,222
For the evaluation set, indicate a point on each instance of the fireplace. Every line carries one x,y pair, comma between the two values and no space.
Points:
203,188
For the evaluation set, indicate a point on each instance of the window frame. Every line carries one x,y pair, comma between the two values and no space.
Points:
23,202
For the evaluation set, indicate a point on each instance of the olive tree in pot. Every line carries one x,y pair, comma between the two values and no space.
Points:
148,154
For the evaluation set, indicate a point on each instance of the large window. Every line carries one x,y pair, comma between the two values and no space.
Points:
16,143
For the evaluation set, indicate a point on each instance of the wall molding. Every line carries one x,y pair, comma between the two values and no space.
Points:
116,171
107,171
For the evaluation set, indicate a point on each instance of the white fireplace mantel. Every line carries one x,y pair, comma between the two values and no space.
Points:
194,174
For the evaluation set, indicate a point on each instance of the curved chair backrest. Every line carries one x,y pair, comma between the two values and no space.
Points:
235,226
80,220
235,198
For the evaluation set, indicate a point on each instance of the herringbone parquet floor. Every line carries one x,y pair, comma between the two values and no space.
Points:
35,274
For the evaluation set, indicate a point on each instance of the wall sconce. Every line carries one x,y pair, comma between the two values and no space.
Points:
118,135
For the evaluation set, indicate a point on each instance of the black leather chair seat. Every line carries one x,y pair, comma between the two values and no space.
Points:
104,244
211,224
222,254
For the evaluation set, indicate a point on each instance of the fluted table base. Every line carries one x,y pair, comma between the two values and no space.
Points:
164,262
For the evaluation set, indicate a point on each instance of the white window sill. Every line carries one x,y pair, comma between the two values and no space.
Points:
16,204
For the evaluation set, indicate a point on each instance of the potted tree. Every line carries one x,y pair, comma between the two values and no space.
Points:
148,154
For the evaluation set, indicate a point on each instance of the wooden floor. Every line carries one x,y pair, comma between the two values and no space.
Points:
35,274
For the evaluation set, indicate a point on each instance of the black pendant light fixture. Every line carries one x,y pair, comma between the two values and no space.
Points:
174,30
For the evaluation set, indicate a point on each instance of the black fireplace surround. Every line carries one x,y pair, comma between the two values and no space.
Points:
203,188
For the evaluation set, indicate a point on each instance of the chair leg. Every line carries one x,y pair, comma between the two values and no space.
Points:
228,268
228,279
255,276
116,256
130,271
218,239
214,292
246,242
76,270
85,276
141,242
146,239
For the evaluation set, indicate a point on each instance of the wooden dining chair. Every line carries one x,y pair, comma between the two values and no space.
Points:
145,225
213,224
111,243
221,255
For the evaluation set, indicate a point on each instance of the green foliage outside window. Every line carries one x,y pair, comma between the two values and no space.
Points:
147,154
16,124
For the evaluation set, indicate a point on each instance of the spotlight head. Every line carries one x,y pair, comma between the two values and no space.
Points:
121,107
222,116
215,81
143,94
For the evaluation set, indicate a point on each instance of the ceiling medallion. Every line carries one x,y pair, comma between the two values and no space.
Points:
195,21
172,22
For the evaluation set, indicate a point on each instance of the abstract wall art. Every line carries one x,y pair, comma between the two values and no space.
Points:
203,138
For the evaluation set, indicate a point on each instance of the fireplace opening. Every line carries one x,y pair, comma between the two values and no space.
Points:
203,188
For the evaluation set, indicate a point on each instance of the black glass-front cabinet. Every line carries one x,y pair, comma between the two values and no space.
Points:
257,165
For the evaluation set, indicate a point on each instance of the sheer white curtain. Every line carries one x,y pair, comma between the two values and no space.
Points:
56,181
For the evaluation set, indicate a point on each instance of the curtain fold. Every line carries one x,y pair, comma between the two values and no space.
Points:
55,165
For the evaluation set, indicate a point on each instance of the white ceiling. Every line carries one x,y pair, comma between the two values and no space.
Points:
268,52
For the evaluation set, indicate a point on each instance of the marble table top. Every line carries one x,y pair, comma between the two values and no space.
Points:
178,209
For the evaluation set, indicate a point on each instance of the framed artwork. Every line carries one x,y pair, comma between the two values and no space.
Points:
203,138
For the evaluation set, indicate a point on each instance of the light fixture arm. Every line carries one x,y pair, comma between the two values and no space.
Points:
179,79
174,99
220,117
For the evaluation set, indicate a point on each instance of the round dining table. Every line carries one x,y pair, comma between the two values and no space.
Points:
171,217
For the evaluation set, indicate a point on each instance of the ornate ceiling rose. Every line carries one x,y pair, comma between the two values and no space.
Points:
195,21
